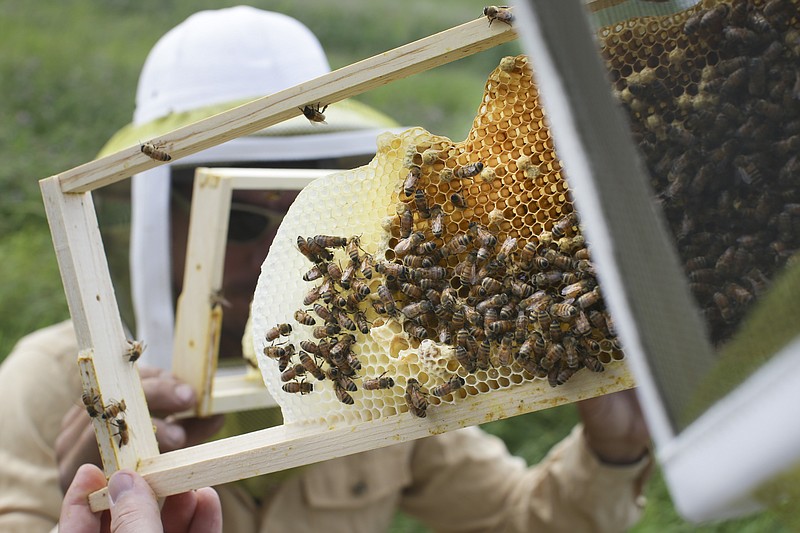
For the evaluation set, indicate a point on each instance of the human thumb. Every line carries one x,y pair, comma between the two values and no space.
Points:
134,507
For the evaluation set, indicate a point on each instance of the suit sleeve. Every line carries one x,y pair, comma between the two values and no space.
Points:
39,382
466,481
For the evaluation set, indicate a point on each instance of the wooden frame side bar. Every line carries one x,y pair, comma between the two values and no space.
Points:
96,318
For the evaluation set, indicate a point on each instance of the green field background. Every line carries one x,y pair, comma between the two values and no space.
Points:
68,73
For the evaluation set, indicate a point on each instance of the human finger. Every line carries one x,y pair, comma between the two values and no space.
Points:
76,516
134,507
166,394
208,515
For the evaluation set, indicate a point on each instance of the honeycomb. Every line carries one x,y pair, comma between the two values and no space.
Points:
713,96
438,271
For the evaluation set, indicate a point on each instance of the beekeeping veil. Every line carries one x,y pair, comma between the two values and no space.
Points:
211,62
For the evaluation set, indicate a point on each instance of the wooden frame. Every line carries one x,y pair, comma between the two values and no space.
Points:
107,371
199,310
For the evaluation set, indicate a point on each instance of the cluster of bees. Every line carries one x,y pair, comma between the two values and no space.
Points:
537,306
335,311
114,411
714,102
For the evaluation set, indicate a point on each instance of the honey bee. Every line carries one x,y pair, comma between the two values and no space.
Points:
341,380
563,310
527,255
153,151
319,252
582,326
526,349
311,366
417,261
91,401
505,354
458,244
113,409
302,246
501,13
468,171
437,222
572,358
387,299
549,278
498,300
342,347
304,318
361,322
276,331
395,270
360,289
293,372
328,241
123,431
416,331
490,286
411,181
560,375
366,266
345,321
712,19
378,383
588,299
415,398
413,310
334,271
458,200
279,352
482,355
520,289
466,358
592,363
347,276
435,273
352,248
564,225
314,113
555,353
134,351
328,330
506,249
342,395
404,246
311,296
314,273
521,327
407,217
448,388
298,387
421,203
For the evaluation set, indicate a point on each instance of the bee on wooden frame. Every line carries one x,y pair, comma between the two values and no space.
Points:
153,151
315,113
501,13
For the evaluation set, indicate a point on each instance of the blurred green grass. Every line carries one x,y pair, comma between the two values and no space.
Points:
68,74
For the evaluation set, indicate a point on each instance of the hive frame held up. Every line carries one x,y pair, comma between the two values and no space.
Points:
102,342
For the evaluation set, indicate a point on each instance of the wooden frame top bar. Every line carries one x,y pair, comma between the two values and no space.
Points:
421,55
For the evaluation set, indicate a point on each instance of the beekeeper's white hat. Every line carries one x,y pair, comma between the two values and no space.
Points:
213,61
